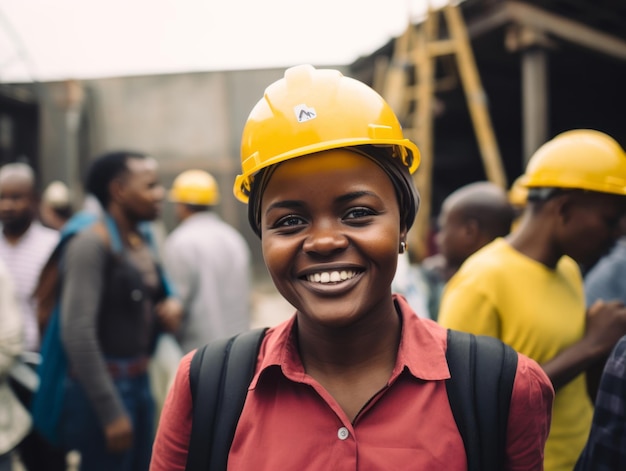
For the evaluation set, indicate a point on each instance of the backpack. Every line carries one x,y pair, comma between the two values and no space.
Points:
47,402
221,371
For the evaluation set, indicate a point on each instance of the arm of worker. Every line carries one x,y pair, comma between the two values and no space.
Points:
605,281
170,313
83,284
180,266
606,324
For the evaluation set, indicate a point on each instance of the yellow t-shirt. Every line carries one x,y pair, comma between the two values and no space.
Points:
537,311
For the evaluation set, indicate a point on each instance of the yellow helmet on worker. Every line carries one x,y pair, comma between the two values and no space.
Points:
582,159
196,187
311,110
518,193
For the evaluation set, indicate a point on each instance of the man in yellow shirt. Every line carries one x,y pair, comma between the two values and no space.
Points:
527,290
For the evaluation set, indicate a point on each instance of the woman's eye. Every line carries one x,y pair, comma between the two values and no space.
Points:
289,221
357,213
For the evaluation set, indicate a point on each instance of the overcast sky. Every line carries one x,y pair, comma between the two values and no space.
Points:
59,39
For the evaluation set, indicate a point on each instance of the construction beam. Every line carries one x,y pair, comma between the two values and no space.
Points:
423,134
550,23
535,109
441,47
476,98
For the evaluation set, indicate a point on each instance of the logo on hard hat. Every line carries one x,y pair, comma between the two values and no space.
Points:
304,113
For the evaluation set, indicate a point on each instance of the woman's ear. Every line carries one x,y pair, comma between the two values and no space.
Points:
403,242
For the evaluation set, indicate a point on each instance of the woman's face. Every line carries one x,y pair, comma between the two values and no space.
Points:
330,236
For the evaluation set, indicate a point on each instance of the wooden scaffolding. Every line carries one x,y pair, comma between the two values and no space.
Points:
409,83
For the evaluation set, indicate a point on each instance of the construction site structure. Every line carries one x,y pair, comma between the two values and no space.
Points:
409,82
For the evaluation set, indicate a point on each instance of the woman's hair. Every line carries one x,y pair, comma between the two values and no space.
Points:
104,170
398,173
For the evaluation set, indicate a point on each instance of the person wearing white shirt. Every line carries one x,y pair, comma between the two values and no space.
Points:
25,244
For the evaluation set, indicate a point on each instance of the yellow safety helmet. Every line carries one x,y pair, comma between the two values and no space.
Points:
57,195
582,159
195,187
311,110
518,193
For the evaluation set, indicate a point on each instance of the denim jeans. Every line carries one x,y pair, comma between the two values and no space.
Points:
6,462
81,430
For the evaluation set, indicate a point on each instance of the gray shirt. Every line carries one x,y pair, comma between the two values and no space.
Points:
208,262
106,312
607,279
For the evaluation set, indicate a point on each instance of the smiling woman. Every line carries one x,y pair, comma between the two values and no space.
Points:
326,172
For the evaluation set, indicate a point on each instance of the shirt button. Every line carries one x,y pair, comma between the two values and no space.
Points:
136,295
343,433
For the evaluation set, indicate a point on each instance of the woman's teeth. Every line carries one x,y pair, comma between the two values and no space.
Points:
331,276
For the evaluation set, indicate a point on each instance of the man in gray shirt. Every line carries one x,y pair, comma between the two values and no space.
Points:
208,262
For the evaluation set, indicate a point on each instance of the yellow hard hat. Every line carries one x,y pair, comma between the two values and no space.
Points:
311,110
195,187
518,193
582,159
57,194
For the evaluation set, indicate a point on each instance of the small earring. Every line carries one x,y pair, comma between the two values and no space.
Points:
403,247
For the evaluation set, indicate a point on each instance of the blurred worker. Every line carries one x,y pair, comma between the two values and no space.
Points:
209,263
606,280
15,420
25,244
527,289
605,448
470,218
113,304
56,205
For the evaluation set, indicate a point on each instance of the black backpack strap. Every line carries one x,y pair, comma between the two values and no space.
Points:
205,378
480,404
219,376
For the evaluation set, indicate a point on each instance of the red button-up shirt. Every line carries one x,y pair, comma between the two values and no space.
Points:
289,422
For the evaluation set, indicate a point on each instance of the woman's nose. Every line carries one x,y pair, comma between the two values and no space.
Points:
325,238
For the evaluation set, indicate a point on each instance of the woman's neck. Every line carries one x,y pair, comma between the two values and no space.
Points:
337,350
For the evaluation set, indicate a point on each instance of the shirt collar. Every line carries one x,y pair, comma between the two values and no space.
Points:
421,352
